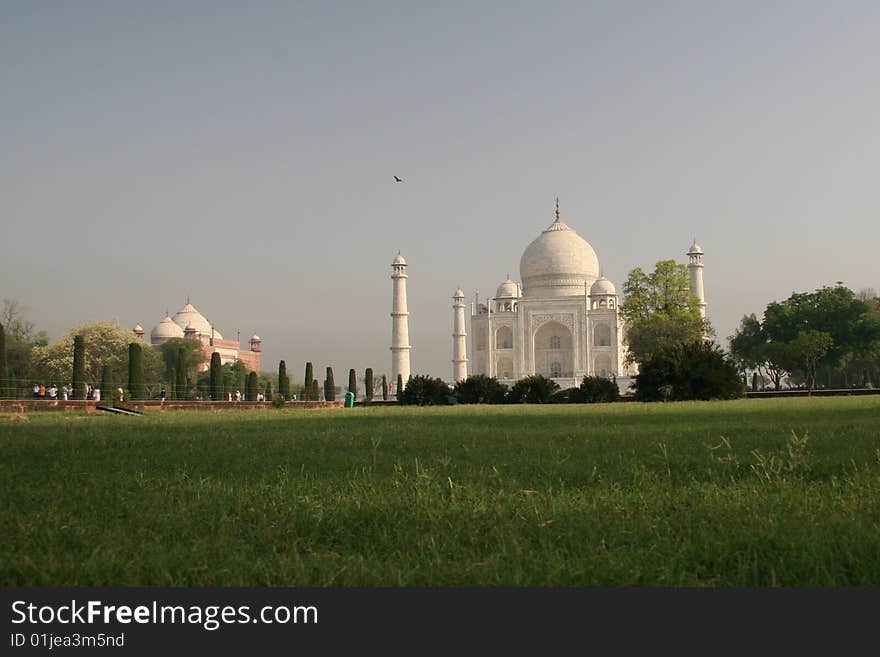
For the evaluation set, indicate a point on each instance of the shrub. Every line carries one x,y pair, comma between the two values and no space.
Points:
535,389
278,401
422,390
596,389
479,389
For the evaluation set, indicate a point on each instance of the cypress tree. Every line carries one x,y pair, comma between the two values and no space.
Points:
283,381
754,382
307,382
106,383
250,389
329,386
172,386
180,380
399,385
216,377
268,392
352,383
4,367
315,392
368,384
135,371
384,388
79,367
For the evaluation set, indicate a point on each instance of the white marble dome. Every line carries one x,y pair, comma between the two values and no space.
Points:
601,287
398,260
558,263
188,317
459,294
695,248
507,290
165,330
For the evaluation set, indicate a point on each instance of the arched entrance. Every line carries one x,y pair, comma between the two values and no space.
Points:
554,355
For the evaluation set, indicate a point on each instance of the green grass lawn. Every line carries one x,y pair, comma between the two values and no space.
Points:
745,493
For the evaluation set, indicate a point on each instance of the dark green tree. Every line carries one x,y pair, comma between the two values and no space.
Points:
4,366
535,389
754,382
136,389
216,378
268,393
329,386
194,356
368,384
422,390
384,388
399,386
250,390
79,367
180,385
352,383
106,382
307,381
283,381
479,389
699,370
315,391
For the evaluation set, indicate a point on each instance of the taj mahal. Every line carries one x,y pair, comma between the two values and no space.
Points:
562,320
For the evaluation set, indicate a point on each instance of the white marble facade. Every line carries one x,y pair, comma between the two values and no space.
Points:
562,322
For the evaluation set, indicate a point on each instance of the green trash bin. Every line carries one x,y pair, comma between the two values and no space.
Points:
349,400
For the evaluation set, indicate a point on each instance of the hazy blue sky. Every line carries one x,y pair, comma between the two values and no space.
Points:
242,153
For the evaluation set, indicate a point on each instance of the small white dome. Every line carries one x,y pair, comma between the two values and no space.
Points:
138,329
165,330
507,290
695,248
602,286
459,294
255,338
398,260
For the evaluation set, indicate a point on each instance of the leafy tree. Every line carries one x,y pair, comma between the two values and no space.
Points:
136,388
105,343
307,382
660,310
234,376
216,390
352,383
329,386
809,347
699,370
180,371
595,389
368,384
194,357
79,365
479,389
384,388
4,367
250,390
423,390
21,339
535,389
283,381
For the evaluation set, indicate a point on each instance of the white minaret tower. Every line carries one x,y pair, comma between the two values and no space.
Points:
399,323
695,266
459,337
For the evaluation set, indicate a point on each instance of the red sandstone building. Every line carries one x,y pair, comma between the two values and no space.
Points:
190,323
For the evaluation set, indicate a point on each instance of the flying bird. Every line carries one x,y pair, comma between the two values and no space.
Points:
396,179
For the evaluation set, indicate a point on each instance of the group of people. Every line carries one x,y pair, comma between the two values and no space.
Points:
42,392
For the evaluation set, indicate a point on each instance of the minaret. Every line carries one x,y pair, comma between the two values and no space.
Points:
695,266
459,336
399,322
